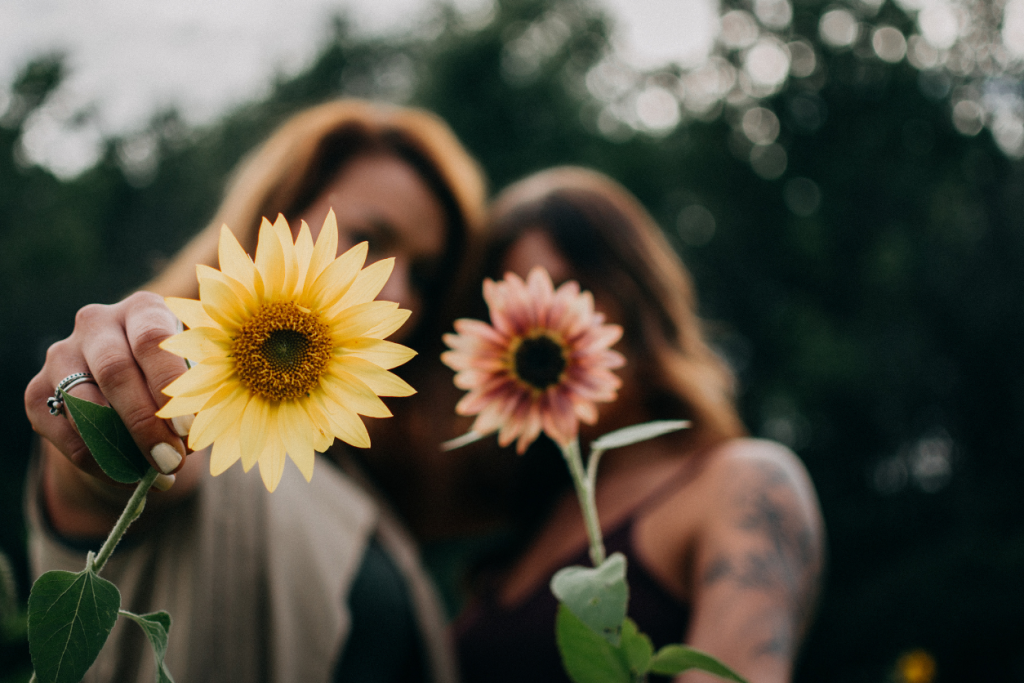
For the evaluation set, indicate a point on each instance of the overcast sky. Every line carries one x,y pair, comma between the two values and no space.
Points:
128,59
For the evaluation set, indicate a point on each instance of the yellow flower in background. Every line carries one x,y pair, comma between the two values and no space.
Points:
917,666
287,351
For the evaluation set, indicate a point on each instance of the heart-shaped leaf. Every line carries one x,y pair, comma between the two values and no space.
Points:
637,433
156,626
108,440
596,595
674,659
637,648
69,619
586,656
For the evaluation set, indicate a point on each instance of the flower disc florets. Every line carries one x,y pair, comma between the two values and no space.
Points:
287,351
282,351
542,364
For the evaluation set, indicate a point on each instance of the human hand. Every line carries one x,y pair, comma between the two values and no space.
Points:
119,346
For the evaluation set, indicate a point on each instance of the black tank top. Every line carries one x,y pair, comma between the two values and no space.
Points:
497,643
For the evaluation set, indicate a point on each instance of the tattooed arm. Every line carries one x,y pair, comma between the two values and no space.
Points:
756,562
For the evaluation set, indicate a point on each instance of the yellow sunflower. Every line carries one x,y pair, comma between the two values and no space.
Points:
287,352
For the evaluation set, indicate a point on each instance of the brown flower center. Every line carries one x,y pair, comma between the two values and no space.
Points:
281,352
539,360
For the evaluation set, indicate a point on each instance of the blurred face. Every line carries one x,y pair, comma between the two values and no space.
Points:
380,199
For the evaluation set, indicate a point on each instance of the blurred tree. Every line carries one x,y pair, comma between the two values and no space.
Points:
858,257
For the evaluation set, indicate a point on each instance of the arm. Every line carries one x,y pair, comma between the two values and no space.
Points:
757,561
119,345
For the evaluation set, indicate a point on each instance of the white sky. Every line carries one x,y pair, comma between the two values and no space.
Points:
128,58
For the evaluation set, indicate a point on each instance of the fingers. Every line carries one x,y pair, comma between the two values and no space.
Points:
131,370
119,346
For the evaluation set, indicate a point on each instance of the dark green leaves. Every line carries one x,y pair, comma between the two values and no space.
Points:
156,627
109,441
587,657
597,596
69,619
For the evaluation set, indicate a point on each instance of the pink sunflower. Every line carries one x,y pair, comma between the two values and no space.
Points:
542,365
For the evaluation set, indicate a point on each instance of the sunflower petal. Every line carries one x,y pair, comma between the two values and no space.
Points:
337,277
198,343
379,352
203,378
345,424
382,382
270,263
368,283
349,391
226,450
325,250
296,430
234,262
222,303
190,312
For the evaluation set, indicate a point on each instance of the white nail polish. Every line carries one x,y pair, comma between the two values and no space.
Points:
183,424
166,457
163,482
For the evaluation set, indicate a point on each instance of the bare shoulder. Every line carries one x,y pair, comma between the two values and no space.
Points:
743,469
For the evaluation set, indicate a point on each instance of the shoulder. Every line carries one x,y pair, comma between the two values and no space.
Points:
741,470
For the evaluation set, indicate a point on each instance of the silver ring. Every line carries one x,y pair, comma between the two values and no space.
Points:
56,402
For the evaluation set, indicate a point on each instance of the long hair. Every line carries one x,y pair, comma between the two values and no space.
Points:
615,246
291,168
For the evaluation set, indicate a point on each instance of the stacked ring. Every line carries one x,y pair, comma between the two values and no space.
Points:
56,402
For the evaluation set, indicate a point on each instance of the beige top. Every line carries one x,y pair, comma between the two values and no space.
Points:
256,583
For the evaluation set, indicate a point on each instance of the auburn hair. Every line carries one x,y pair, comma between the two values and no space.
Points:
615,246
293,166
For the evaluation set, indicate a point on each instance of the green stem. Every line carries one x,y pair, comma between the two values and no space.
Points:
33,679
585,493
131,512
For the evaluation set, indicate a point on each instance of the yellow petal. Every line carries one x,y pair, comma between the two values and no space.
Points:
270,262
291,265
325,251
379,352
189,311
215,420
389,324
226,450
368,283
296,430
234,262
198,343
243,293
272,465
337,277
380,381
345,424
255,428
203,378
352,393
303,252
348,323
222,304
183,405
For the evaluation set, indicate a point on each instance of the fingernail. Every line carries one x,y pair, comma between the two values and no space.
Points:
166,457
163,482
183,424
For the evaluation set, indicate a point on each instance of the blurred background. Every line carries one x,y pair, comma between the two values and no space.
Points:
844,180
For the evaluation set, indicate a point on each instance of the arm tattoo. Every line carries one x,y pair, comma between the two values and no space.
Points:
784,560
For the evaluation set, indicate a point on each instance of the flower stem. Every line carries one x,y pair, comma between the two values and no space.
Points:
131,512
585,485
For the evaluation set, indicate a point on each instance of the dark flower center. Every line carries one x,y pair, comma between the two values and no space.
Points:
281,352
539,361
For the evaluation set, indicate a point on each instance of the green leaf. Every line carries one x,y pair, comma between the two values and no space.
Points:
637,433
596,595
156,627
69,619
674,659
108,440
636,647
586,656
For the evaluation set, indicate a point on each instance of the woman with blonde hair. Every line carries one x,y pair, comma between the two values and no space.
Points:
316,581
722,533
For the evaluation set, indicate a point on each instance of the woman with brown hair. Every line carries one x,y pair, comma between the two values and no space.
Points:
316,581
722,533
